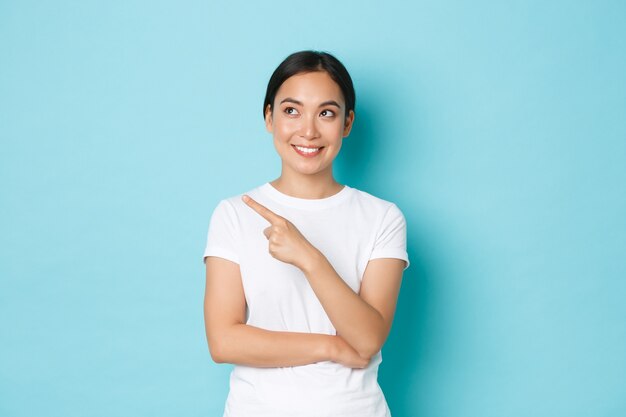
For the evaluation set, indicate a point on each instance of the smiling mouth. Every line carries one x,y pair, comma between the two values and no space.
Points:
307,151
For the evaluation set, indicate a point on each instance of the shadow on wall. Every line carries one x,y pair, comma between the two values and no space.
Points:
406,351
364,163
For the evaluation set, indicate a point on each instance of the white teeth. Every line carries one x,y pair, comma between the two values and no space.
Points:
307,150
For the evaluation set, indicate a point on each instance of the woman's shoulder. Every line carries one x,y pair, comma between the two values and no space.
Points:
365,197
234,201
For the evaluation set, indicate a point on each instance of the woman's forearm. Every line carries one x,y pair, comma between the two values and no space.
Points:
360,324
247,345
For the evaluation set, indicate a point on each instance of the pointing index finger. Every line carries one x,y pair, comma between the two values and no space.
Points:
266,213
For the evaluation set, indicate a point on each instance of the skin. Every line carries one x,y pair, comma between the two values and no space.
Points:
312,125
362,320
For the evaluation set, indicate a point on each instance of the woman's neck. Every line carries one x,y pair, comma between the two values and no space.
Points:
307,187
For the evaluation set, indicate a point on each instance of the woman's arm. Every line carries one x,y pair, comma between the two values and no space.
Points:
363,320
230,340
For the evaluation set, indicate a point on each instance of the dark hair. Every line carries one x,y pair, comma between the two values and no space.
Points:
311,61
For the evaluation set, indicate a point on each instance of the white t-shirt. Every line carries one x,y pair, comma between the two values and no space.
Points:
349,228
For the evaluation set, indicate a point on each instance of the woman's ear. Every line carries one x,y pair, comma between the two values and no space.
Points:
348,123
268,118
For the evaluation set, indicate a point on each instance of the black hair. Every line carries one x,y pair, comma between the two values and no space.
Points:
310,61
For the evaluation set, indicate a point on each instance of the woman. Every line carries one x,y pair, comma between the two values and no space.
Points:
303,273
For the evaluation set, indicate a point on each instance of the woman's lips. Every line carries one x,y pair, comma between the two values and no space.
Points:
307,154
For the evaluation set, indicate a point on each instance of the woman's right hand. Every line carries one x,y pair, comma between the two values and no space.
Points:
341,352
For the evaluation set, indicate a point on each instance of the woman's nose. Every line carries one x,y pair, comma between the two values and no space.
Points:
308,130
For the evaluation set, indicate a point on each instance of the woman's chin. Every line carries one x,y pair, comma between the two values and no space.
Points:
307,169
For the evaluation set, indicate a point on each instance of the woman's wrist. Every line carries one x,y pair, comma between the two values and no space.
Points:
312,261
330,352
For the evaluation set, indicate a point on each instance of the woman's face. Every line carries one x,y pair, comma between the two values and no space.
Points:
308,113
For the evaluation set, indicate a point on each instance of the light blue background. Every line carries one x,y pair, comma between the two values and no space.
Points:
497,127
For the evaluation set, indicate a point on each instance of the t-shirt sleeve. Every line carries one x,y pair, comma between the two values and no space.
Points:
391,237
223,234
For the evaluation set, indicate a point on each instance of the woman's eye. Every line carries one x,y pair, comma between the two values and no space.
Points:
288,110
328,112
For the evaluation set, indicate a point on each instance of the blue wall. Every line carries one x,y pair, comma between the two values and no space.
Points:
499,129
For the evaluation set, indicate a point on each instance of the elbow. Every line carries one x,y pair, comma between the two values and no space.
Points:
217,352
217,358
372,343
367,350
367,353
221,345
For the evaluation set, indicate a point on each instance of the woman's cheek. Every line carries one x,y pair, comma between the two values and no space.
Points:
289,127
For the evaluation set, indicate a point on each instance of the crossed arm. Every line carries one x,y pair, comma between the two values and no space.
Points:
362,320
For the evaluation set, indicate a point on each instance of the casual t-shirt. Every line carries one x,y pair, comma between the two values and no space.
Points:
349,228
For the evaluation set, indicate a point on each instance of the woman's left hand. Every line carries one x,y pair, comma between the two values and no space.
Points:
286,243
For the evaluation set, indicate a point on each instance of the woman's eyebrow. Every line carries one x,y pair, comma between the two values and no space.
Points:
326,103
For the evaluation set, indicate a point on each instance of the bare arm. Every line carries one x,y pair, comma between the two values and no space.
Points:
363,320
230,340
